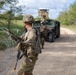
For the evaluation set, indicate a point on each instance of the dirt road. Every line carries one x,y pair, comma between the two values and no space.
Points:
58,58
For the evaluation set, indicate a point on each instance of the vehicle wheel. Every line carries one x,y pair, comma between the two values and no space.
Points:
51,37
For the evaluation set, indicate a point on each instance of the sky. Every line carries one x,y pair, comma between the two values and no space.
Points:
54,6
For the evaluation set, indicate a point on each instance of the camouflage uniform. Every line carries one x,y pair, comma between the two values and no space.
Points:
29,60
43,31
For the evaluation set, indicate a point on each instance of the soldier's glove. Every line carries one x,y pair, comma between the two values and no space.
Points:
23,46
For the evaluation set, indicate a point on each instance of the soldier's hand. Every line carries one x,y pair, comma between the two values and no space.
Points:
24,44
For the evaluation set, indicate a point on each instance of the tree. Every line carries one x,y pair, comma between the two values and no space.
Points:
72,13
68,17
63,18
1,4
10,9
19,17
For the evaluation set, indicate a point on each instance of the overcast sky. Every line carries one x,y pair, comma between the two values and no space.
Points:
54,6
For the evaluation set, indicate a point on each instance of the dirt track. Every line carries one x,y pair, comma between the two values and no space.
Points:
58,58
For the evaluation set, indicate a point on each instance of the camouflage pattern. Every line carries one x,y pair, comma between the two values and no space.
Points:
43,32
29,62
43,18
42,41
28,18
27,66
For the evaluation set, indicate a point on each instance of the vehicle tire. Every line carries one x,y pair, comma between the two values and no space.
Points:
51,37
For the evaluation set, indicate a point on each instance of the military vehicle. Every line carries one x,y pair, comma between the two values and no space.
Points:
53,28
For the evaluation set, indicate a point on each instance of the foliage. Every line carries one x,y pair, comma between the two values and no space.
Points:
17,28
19,17
2,46
1,4
10,9
37,18
68,17
9,13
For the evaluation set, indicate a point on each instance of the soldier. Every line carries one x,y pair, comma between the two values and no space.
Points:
43,31
42,38
43,18
30,40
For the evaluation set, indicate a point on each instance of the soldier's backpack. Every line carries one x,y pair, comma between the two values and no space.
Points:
38,47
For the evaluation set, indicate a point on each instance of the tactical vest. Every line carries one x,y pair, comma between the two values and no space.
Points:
37,47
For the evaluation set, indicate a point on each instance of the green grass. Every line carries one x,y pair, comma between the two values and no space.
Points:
2,46
71,27
16,27
19,22
3,34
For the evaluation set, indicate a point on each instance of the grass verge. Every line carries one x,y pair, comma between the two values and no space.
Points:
16,27
71,27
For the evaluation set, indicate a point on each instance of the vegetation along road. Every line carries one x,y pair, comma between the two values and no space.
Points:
58,58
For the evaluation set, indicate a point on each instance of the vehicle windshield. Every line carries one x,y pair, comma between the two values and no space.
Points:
50,23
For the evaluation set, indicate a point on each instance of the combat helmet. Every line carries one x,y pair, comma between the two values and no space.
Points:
28,18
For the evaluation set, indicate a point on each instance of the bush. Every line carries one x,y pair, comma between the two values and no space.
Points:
2,46
17,28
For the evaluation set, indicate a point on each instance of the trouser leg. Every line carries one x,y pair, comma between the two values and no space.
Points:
20,72
27,67
27,73
42,43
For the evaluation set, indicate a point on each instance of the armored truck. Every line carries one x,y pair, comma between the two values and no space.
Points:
53,29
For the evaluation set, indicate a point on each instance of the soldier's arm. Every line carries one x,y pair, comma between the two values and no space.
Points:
31,38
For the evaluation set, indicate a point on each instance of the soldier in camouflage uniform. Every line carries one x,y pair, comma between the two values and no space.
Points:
43,18
29,39
43,30
42,39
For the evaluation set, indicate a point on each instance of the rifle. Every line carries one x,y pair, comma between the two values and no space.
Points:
19,56
14,37
18,40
